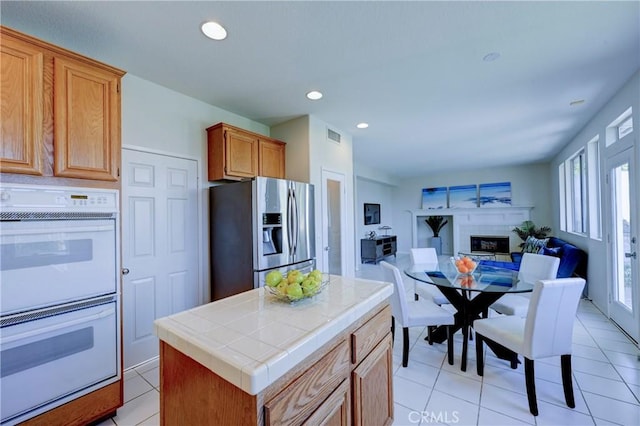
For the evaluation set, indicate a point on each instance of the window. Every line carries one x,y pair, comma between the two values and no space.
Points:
620,127
578,192
593,178
563,197
625,128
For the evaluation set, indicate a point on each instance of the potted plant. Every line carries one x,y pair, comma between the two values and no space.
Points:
529,229
436,223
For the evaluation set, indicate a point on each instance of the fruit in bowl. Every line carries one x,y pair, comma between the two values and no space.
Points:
295,285
464,264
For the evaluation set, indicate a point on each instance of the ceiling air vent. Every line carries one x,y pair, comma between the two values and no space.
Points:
333,135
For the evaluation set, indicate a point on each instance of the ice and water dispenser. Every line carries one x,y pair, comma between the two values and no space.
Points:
271,233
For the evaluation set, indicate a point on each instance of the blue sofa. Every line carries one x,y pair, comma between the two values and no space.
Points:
573,261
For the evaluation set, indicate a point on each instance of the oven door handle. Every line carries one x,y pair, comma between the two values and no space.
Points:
58,230
27,334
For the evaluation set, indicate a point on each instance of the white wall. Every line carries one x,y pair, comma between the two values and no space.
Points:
374,175
295,133
164,121
369,191
598,277
529,188
311,153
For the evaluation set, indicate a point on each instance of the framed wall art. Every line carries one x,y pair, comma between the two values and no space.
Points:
464,196
371,214
434,198
495,194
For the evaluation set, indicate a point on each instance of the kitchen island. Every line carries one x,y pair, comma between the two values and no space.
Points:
251,359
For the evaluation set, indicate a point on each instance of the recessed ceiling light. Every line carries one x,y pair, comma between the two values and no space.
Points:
362,125
314,95
490,57
576,102
214,31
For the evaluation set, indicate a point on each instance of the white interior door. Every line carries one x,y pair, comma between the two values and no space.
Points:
333,222
159,246
624,305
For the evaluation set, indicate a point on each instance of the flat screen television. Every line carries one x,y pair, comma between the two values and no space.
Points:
371,214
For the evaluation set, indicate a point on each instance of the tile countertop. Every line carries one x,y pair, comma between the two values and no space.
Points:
252,339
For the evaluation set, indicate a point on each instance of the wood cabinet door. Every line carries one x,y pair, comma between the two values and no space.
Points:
373,387
241,154
21,107
86,121
335,410
272,157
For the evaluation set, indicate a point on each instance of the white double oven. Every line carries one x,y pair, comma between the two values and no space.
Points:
59,296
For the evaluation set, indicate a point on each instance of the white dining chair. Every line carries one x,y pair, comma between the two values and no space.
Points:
546,331
415,313
534,267
427,256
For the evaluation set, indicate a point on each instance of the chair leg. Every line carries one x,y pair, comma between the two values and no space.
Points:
405,346
429,331
465,347
567,383
393,329
514,361
479,355
450,345
531,385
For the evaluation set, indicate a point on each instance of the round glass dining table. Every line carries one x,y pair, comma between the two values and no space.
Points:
471,295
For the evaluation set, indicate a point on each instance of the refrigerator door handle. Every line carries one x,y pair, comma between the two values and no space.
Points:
296,222
289,220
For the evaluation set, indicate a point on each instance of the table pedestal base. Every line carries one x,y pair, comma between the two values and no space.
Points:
470,309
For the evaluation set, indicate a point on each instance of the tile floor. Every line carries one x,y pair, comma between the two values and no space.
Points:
606,374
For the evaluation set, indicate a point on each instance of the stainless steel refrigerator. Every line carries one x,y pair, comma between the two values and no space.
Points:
257,226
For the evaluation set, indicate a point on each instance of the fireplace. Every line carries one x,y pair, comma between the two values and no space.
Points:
490,243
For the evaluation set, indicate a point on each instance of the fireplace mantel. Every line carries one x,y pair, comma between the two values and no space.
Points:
472,221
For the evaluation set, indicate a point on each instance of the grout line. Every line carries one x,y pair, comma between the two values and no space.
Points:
611,362
139,423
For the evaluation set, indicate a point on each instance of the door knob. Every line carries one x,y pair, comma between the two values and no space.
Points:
634,255
326,248
125,271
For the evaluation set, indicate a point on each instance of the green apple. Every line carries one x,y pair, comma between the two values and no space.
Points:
295,276
316,274
294,291
273,278
309,287
282,287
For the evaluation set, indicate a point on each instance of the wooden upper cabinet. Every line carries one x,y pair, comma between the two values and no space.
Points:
86,121
21,107
236,154
240,154
271,154
60,112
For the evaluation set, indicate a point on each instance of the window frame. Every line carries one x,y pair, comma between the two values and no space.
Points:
613,129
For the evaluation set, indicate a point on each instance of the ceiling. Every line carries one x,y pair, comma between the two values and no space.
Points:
413,70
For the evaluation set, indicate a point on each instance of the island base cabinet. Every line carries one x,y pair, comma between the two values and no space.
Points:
372,387
309,393
335,411
190,393
346,381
